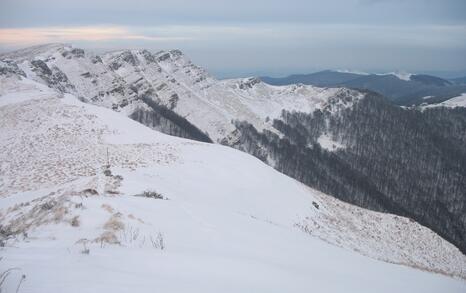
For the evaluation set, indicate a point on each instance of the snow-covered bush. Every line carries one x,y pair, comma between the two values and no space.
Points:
158,241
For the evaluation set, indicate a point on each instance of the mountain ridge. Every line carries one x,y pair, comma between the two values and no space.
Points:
406,90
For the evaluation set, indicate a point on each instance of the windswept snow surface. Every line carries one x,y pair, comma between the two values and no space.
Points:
227,223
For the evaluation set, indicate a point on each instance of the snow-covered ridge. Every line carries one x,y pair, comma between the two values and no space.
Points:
399,74
39,52
459,101
121,80
352,71
223,209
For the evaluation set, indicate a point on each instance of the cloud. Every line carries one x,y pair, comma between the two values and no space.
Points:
41,13
26,36
267,45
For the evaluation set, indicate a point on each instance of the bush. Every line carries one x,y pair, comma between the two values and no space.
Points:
152,194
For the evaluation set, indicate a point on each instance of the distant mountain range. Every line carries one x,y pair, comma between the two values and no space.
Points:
406,90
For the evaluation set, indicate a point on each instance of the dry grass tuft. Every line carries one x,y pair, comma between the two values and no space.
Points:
59,213
75,221
108,237
108,208
114,223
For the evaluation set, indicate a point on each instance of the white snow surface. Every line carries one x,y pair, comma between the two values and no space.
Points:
401,75
228,223
459,101
352,71
328,143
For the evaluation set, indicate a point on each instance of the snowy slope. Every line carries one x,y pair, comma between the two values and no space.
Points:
121,79
399,74
227,222
459,101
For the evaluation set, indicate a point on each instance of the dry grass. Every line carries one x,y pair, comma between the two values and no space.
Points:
75,221
41,211
132,217
59,214
107,237
108,208
114,223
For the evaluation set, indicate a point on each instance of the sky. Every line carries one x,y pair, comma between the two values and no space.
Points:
256,37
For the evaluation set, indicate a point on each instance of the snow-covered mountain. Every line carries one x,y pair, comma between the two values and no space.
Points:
130,81
212,218
333,139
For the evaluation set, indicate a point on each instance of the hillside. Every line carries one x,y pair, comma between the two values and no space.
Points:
225,216
405,161
401,89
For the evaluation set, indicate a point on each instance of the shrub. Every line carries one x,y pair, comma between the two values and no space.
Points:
152,194
114,223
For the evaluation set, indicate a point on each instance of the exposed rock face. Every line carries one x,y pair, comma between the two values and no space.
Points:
75,52
249,83
96,59
41,67
79,53
163,57
148,56
9,67
54,77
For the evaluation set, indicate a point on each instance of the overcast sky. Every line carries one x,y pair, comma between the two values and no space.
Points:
245,37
